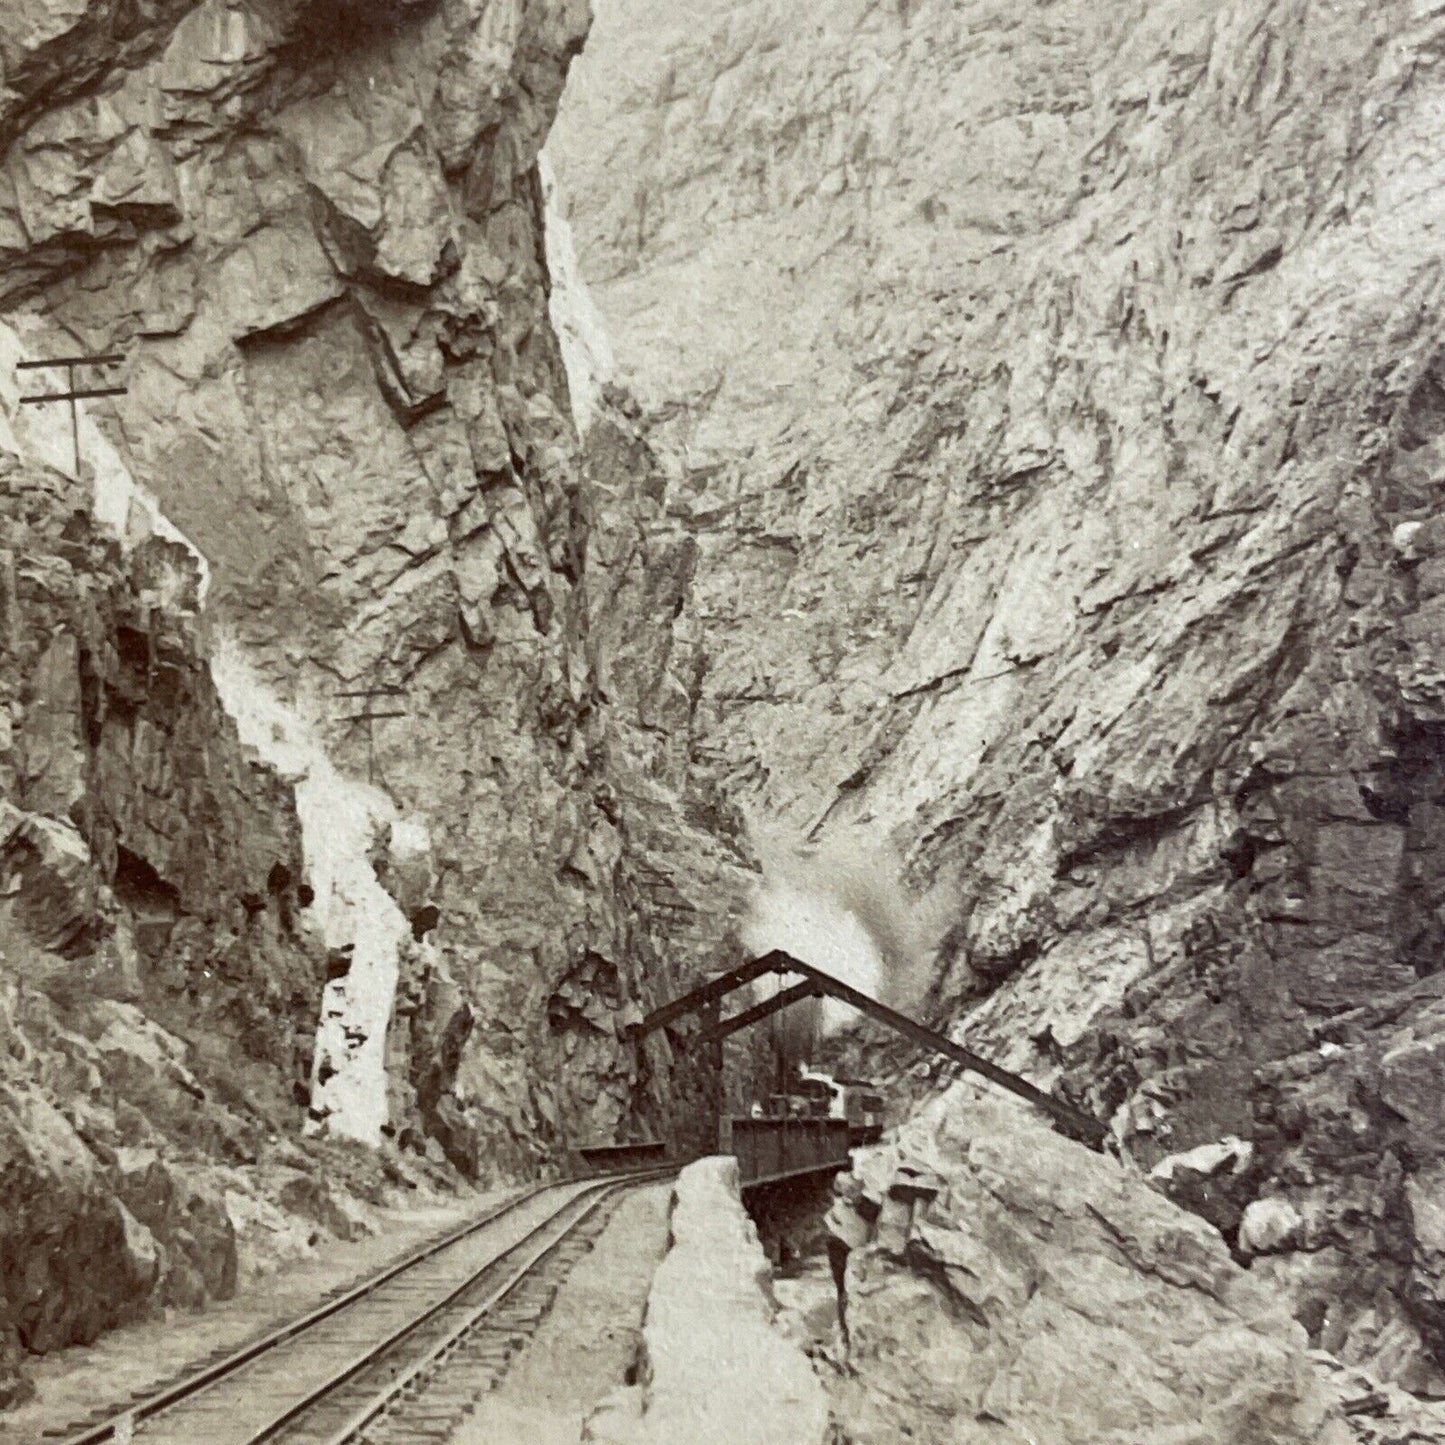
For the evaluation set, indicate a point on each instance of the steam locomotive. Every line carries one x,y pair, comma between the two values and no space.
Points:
822,1096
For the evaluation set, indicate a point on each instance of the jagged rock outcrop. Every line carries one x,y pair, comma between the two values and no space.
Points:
139,842
1057,404
751,1385
316,232
1007,1285
158,981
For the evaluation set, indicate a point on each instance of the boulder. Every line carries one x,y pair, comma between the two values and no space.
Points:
15,1385
1269,1226
188,1219
1050,1292
313,1197
76,1260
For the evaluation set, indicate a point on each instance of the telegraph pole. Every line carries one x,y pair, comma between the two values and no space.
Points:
370,716
72,392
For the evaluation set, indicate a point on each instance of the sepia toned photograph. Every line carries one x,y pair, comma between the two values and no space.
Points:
722,723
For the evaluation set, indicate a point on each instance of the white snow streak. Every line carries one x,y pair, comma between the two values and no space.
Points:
340,816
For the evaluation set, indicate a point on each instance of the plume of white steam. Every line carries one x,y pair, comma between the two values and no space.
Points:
842,906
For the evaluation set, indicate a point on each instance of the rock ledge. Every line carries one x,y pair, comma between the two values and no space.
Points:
714,1371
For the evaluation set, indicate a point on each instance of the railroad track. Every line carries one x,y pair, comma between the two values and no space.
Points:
397,1360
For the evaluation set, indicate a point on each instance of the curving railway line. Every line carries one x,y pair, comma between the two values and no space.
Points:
396,1360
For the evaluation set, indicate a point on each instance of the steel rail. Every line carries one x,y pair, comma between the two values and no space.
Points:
381,1402
193,1384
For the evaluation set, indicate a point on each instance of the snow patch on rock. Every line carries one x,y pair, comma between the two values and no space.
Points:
340,820
1225,1156
1269,1226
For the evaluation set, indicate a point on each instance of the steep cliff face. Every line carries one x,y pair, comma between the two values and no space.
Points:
233,907
316,233
1057,393
142,840
159,984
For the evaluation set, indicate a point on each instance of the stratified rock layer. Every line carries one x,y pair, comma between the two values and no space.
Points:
1058,396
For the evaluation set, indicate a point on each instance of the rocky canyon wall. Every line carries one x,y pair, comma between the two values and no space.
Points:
317,235
1054,394
235,911
159,984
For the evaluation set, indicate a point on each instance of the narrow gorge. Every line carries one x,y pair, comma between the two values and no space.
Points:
1054,392
591,494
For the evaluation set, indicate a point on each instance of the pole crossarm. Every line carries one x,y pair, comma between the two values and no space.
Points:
73,394
81,393
759,1011
370,715
111,358
1074,1122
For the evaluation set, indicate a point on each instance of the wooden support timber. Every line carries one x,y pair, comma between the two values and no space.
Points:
760,1011
1070,1120
709,992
